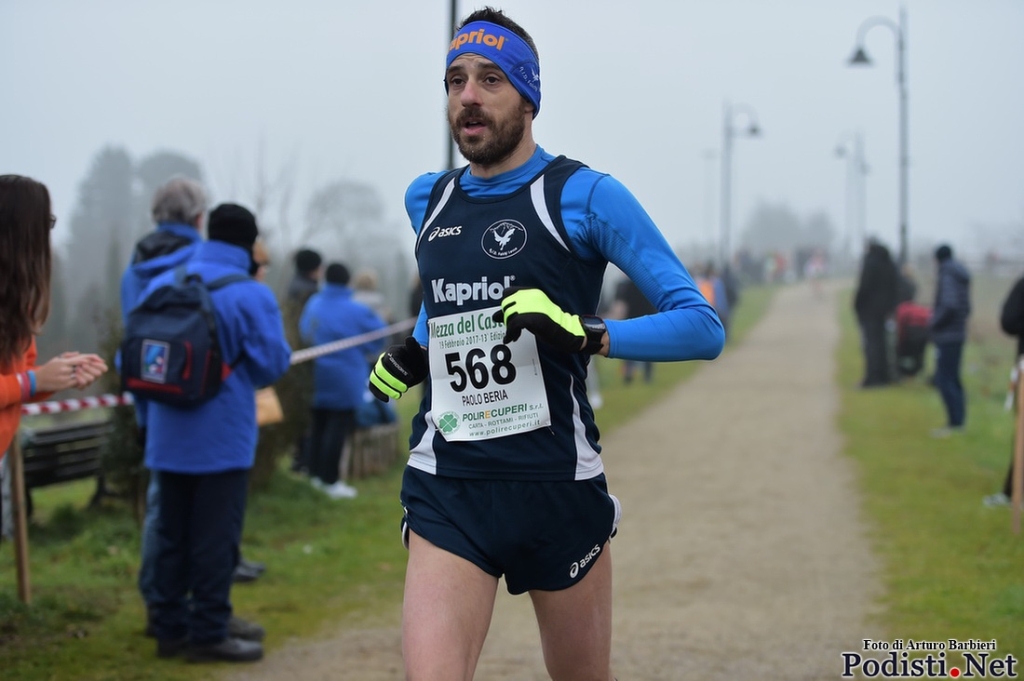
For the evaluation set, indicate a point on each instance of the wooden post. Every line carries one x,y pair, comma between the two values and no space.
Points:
20,517
1018,451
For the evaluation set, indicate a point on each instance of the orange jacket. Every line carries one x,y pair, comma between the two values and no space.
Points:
10,396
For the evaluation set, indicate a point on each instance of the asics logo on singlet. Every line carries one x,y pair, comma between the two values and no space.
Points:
441,232
584,561
460,292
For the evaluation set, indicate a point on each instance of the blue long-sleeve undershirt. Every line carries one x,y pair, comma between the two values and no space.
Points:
606,223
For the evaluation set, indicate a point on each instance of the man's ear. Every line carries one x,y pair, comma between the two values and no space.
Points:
199,222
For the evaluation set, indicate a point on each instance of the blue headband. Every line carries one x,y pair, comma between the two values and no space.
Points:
510,52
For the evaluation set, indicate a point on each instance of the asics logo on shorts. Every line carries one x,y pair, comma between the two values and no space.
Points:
460,292
584,561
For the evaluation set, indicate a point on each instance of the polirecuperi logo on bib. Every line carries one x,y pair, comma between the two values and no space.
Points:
448,423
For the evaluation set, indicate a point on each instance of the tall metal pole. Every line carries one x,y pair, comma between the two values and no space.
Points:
862,194
449,142
724,254
904,160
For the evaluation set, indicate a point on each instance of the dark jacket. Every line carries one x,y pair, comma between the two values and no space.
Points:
952,303
877,289
1012,316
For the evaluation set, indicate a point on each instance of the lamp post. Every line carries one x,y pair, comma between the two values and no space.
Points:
729,131
860,58
856,192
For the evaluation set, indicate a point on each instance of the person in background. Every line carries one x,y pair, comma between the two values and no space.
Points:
178,209
947,330
297,386
630,303
339,378
1011,319
201,456
505,477
26,219
365,290
874,303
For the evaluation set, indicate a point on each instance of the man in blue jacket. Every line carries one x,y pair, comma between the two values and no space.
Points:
178,209
948,331
339,378
201,455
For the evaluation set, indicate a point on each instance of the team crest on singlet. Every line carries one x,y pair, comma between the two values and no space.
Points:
504,239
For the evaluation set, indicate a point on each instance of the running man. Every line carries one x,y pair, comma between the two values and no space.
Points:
505,477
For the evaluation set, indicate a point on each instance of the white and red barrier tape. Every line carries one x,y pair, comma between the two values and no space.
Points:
299,356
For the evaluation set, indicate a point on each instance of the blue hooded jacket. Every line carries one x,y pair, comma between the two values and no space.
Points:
339,378
952,303
220,434
141,271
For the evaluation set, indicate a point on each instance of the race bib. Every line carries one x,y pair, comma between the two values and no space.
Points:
483,388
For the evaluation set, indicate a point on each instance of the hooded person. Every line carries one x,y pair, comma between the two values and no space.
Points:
201,456
947,330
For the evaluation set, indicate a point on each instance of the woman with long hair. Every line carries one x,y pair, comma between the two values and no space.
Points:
25,223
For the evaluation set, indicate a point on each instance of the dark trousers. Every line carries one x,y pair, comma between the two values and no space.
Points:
199,527
331,427
876,352
947,380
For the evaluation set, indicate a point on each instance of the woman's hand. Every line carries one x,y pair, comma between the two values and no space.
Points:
69,370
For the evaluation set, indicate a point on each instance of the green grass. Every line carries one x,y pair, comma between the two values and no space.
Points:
952,568
329,563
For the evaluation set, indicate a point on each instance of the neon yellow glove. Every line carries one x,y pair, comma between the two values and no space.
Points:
397,369
531,309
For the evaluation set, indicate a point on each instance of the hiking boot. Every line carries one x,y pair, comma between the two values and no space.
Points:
245,630
171,648
228,650
253,566
244,574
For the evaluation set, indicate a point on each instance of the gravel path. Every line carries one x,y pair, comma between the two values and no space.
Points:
741,554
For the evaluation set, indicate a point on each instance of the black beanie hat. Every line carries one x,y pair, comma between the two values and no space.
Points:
307,260
232,224
337,274
943,253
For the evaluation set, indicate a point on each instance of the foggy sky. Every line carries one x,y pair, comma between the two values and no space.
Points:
345,89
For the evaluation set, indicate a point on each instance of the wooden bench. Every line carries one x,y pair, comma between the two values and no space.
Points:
63,453
373,450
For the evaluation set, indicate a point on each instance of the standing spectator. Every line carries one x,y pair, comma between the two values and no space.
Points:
201,456
874,303
1012,320
296,389
948,331
633,303
365,290
178,208
505,477
306,279
339,378
25,261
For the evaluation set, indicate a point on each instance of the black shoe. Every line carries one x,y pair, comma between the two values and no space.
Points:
244,630
171,648
242,574
252,566
228,650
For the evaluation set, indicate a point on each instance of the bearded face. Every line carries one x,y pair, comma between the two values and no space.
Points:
488,138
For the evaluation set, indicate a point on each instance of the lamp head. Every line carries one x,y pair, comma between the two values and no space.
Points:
753,130
859,58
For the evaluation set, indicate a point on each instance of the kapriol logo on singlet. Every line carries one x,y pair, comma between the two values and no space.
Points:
460,292
504,239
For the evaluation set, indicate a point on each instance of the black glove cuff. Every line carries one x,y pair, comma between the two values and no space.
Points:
594,328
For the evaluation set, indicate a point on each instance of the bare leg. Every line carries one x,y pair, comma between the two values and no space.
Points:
446,613
576,625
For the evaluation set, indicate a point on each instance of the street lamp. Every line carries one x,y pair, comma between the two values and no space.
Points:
856,193
729,131
860,58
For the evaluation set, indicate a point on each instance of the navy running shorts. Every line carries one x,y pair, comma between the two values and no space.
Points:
538,535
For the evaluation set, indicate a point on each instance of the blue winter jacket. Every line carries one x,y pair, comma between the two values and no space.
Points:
339,378
138,275
220,434
952,303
